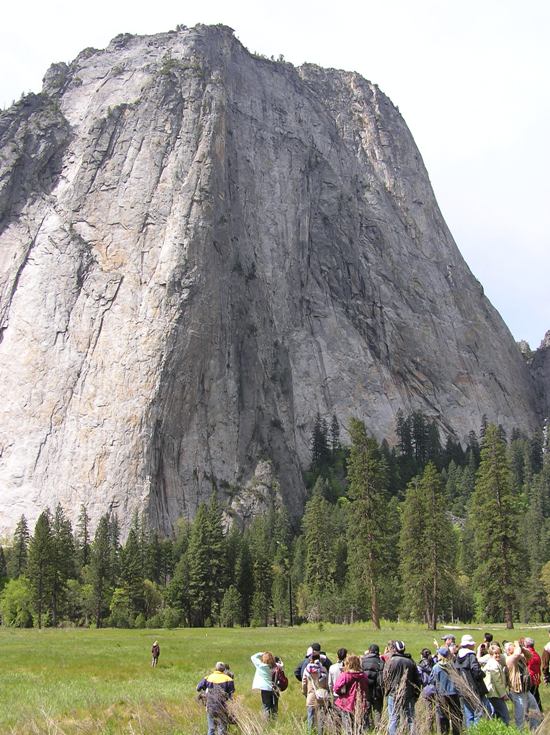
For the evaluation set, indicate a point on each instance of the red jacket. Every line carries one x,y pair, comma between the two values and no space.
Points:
351,688
533,664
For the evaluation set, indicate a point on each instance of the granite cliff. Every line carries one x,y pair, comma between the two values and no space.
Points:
200,249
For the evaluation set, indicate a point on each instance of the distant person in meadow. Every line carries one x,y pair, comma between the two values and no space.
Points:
265,664
155,653
219,688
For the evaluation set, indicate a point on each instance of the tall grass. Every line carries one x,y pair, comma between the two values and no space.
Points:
72,681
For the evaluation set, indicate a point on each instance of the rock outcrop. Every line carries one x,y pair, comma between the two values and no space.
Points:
199,250
540,370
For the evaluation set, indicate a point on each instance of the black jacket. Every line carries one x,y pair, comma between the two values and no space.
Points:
373,666
469,668
401,678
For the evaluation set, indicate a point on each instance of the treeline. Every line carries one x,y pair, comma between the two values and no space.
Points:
418,531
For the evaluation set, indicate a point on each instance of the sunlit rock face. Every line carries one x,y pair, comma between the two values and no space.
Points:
199,250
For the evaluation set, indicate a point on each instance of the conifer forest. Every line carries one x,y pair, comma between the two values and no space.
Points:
418,531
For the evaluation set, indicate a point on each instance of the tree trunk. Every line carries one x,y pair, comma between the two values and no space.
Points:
375,614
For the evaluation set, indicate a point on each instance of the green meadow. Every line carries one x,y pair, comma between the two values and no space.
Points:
65,681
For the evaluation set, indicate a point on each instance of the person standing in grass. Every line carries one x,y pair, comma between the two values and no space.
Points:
534,666
447,708
219,688
335,671
517,657
315,690
495,681
265,664
351,688
402,687
155,653
373,666
473,692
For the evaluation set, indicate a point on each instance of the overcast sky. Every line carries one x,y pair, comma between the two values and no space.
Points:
469,76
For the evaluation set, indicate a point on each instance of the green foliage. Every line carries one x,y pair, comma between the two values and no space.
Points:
231,607
40,568
493,727
16,604
369,564
101,681
101,571
19,554
495,517
428,549
350,559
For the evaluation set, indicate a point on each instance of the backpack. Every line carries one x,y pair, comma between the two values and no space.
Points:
279,679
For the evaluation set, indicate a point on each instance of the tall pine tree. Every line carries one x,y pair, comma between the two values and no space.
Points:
428,548
495,522
101,570
40,566
367,476
20,549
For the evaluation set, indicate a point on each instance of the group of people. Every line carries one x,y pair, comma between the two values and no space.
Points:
458,684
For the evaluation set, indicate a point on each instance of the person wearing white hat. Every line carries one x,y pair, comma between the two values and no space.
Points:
473,692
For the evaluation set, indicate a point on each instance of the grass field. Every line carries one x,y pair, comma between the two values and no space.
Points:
70,681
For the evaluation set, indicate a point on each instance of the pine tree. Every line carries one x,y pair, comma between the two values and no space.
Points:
473,449
177,593
199,570
334,436
114,543
218,557
40,566
155,558
262,570
20,550
3,569
320,566
494,517
320,453
63,561
536,532
428,575
367,475
131,571
245,582
231,607
83,537
100,569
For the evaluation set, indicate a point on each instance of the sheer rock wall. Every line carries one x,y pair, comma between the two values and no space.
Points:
199,250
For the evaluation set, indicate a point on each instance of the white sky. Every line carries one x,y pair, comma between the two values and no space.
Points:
469,76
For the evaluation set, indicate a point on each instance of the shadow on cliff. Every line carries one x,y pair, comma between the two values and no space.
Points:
34,135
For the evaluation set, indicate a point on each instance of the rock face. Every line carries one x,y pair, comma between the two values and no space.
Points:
199,250
540,369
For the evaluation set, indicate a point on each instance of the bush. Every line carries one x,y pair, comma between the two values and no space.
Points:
139,622
15,604
493,727
170,618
